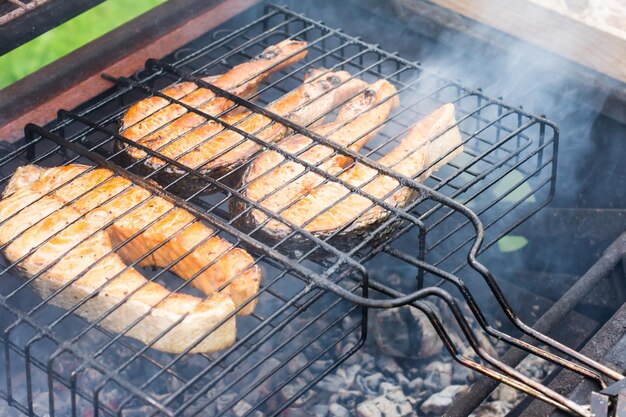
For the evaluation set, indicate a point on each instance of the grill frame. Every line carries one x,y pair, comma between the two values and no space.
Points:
321,283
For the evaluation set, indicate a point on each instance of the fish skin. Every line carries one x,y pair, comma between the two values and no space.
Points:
413,154
357,121
35,207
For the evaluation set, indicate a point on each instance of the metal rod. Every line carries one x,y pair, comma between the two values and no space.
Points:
551,318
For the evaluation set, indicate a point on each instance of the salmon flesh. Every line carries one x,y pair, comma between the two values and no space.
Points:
79,227
275,183
325,207
215,150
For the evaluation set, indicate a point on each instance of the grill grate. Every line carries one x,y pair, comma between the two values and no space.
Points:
303,327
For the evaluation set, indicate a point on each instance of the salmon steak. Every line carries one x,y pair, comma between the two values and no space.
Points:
274,182
144,120
78,231
225,149
155,121
326,207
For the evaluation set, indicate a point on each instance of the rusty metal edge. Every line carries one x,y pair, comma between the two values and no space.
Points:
38,18
75,78
574,385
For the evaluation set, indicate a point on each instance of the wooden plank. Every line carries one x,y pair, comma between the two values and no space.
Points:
87,83
601,50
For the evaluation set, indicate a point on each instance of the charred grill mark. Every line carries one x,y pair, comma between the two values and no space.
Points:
334,80
268,54
369,94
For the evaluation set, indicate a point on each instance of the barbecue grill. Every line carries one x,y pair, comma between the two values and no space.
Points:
312,311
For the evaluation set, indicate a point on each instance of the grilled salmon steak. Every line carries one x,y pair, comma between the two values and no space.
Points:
275,183
148,115
78,227
330,207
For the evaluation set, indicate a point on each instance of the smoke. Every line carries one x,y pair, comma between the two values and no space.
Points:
542,83
590,169
520,73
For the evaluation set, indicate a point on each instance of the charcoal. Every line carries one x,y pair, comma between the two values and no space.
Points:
296,412
402,379
355,358
392,404
440,401
494,408
297,364
224,400
40,404
342,379
337,410
386,387
241,408
506,394
371,383
406,332
320,410
535,367
349,399
461,374
415,385
438,375
367,361
290,390
388,365
320,365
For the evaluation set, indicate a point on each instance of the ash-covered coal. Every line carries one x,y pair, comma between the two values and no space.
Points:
242,383
373,383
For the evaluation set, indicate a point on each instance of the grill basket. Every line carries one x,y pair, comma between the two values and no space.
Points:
313,303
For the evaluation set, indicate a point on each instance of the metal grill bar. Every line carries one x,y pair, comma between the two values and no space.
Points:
273,147
85,358
158,192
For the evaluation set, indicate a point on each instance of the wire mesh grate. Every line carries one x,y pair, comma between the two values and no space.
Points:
58,363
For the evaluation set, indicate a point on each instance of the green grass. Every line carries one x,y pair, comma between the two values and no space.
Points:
71,35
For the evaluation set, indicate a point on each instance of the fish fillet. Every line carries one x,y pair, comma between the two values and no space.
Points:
323,210
148,115
275,183
320,93
52,224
